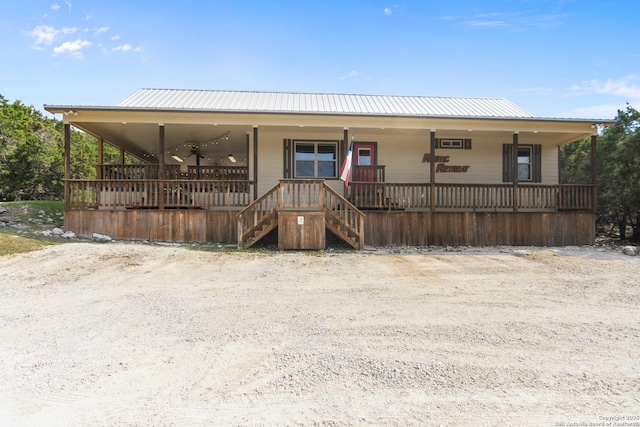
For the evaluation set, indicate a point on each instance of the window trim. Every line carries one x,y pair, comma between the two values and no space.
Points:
316,144
529,149
370,155
453,143
535,166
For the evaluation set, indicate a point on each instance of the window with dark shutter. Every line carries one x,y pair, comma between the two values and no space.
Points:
529,163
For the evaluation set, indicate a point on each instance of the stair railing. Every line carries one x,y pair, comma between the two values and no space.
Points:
336,206
294,194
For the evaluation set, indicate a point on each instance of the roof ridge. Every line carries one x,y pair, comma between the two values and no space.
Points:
325,93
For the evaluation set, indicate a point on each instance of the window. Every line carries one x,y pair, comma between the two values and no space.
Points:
456,143
364,157
316,159
529,163
524,163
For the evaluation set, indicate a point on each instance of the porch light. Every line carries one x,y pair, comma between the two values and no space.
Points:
176,158
233,159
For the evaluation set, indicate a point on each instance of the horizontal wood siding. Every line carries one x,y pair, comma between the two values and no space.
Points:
168,225
384,228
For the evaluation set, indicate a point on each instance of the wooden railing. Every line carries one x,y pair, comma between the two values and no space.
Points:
301,194
257,214
310,194
487,197
368,173
136,171
344,213
154,194
225,173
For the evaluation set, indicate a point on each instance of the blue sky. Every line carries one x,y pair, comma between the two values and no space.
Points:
555,58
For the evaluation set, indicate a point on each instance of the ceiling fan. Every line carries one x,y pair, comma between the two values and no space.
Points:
195,151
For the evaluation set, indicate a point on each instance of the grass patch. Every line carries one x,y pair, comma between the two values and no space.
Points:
22,211
28,220
11,244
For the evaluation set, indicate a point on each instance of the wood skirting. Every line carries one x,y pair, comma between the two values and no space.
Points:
173,225
382,228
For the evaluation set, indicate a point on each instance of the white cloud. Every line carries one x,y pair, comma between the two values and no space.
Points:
72,48
627,87
603,111
388,11
353,73
510,21
60,40
101,30
45,34
126,48
486,24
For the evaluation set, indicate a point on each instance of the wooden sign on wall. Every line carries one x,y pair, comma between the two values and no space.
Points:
442,166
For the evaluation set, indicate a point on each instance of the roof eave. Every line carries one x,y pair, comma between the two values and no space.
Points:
65,109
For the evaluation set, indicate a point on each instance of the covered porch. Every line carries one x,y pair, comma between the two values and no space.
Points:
419,177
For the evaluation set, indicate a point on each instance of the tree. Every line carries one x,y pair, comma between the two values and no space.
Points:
30,157
621,171
32,150
618,153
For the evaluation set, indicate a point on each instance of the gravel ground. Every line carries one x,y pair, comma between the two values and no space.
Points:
143,335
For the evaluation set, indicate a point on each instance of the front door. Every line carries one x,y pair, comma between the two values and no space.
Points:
364,161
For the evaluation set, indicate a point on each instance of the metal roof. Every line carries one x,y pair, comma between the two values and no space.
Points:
321,103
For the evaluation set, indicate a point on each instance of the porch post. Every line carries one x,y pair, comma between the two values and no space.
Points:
343,152
67,164
122,156
514,169
255,162
161,166
100,158
594,172
432,171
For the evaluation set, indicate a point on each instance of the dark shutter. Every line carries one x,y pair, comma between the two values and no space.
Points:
287,159
536,163
466,144
507,163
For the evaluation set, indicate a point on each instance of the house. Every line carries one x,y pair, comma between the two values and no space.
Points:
232,166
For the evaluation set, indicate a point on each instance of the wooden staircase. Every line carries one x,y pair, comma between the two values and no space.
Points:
341,217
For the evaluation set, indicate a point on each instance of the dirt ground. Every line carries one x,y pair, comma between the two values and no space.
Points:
148,335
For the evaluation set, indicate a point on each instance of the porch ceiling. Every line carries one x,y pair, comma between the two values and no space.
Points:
137,132
215,142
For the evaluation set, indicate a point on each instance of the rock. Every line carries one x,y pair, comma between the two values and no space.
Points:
630,250
57,231
68,235
100,238
46,233
2,210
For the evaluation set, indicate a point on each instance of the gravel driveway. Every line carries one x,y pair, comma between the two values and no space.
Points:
142,335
